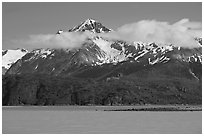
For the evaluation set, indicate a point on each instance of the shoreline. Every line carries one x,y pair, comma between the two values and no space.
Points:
109,108
160,109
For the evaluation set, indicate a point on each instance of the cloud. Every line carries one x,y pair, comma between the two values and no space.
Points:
64,40
181,33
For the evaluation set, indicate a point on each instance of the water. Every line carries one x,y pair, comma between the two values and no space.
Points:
58,120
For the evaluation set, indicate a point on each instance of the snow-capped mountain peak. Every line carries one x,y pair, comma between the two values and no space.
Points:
89,21
59,31
199,40
90,25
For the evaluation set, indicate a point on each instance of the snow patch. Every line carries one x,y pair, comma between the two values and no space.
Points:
45,53
111,55
36,67
12,56
153,61
193,74
40,53
142,54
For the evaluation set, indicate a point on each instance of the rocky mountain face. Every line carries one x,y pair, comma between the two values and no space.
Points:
90,25
98,54
142,68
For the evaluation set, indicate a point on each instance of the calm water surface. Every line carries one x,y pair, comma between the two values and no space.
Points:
89,120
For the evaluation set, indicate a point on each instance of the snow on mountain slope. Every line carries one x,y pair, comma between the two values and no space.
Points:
99,51
112,55
118,51
11,56
40,53
90,25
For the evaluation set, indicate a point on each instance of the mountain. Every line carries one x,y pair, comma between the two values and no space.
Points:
98,53
117,71
90,25
9,57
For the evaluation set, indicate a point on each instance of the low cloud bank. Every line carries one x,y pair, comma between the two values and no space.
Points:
64,40
181,33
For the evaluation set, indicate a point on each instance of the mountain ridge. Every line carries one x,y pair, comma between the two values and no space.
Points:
105,72
90,25
98,51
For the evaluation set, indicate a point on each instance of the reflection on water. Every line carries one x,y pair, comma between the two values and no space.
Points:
88,120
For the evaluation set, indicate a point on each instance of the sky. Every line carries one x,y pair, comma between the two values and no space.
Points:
20,20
